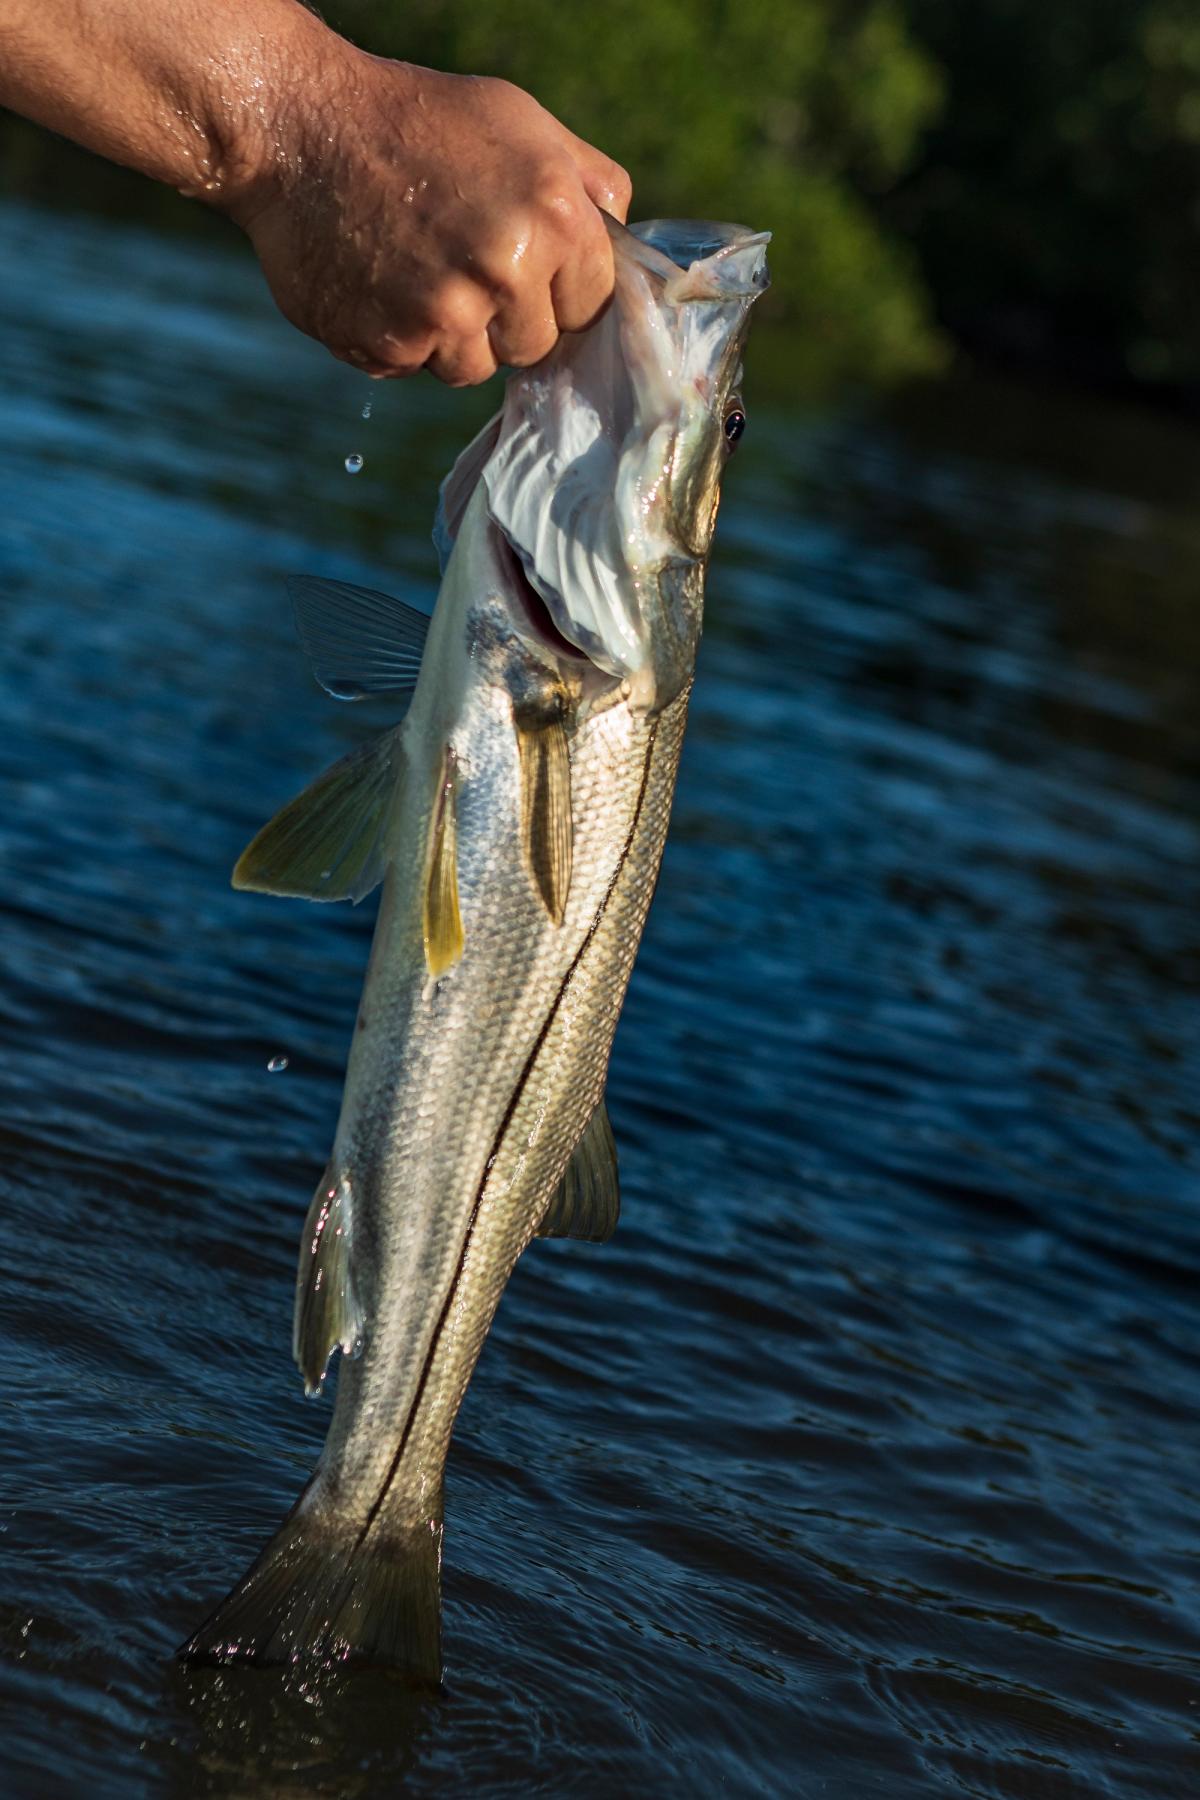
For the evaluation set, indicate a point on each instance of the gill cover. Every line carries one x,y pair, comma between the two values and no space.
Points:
601,467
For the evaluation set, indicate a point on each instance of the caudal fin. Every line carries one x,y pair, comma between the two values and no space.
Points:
318,1596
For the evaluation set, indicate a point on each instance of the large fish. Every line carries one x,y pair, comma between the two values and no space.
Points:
516,818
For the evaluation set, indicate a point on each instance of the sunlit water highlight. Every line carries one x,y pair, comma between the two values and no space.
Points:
865,1459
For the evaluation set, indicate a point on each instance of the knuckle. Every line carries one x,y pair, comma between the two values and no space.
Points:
458,309
544,342
579,303
620,186
558,195
464,365
521,350
396,355
470,374
500,262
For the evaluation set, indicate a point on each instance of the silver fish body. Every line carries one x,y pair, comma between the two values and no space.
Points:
520,811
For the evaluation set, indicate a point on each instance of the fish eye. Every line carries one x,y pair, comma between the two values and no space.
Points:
735,423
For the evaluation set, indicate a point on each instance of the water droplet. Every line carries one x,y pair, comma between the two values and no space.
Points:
354,463
277,1063
410,194
366,411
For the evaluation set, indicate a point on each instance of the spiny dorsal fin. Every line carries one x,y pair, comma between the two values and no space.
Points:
328,1315
546,812
358,640
442,924
330,842
587,1201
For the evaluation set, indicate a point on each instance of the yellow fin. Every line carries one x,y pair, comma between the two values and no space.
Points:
442,926
330,842
546,812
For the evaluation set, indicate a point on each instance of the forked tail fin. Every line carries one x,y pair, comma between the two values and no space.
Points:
321,1595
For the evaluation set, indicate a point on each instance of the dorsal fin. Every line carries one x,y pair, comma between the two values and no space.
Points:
358,640
587,1201
330,842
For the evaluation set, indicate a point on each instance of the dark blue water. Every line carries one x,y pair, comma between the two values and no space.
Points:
865,1460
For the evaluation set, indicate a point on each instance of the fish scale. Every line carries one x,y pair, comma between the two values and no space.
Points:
516,819
565,1082
431,1078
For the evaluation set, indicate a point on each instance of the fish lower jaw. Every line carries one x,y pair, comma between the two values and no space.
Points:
639,690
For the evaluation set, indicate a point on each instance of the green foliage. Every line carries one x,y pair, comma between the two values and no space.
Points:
1033,165
783,114
1056,206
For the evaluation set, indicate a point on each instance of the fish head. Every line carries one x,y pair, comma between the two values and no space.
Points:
605,465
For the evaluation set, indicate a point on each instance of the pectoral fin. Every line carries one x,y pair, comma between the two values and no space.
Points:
442,924
358,640
330,842
328,1316
546,811
587,1201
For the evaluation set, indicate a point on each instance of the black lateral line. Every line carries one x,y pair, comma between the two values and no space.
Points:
593,928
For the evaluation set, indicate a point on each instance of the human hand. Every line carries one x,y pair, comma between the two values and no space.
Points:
409,219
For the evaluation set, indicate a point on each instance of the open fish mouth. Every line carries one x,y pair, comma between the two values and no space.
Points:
589,476
601,470
533,615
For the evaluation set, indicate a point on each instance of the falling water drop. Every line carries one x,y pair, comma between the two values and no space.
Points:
277,1063
366,411
354,462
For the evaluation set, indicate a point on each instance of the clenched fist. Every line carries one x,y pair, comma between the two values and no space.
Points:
433,221
404,218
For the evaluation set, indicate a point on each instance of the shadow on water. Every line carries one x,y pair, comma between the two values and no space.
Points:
866,1458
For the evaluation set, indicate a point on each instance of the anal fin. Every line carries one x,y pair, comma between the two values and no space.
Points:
328,1315
587,1201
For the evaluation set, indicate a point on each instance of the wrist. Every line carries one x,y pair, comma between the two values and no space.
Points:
268,108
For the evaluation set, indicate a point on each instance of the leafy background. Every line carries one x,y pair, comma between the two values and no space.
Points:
1010,180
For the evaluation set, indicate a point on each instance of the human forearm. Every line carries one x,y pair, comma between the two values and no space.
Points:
403,217
190,92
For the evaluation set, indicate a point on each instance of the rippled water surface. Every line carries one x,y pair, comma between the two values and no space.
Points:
865,1460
